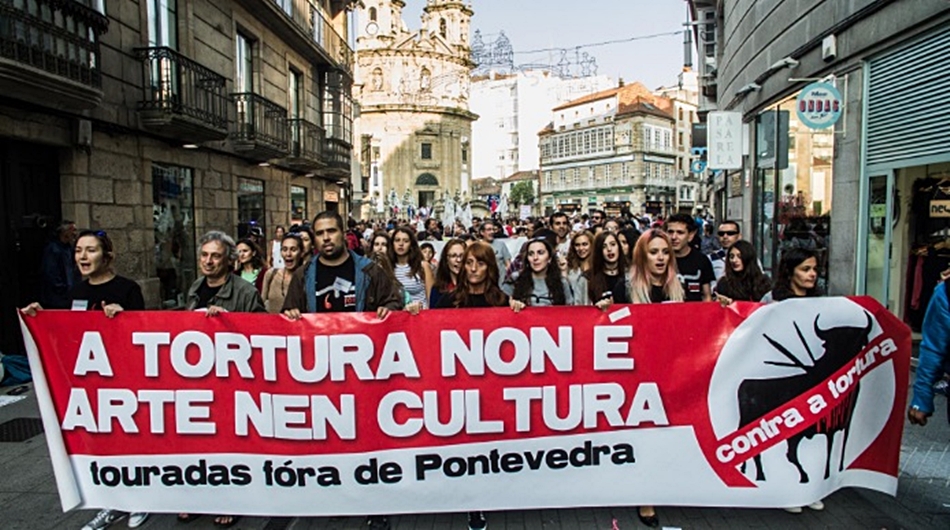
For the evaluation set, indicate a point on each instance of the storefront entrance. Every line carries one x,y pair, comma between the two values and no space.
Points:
30,206
908,237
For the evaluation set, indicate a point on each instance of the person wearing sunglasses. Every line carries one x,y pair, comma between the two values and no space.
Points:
729,233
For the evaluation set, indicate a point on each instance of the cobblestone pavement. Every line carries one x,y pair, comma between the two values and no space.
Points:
29,500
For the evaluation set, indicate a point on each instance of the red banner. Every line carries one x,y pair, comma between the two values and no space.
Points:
673,404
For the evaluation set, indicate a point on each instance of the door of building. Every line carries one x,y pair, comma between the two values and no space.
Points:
880,222
29,212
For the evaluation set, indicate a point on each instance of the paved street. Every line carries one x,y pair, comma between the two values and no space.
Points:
29,500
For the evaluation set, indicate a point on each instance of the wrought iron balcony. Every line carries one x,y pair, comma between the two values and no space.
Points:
303,26
181,98
306,145
260,127
337,154
49,52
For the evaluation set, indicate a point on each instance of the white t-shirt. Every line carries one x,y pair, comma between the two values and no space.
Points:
276,259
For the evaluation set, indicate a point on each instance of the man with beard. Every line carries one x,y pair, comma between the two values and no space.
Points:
341,281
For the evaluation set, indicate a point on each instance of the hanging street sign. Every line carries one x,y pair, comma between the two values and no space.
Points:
819,105
724,140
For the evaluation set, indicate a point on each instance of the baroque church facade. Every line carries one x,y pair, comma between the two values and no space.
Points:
414,123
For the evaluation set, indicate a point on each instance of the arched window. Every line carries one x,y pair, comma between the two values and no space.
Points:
443,28
372,14
427,179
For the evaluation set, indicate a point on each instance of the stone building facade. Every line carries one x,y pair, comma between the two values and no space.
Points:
613,150
855,188
157,121
413,89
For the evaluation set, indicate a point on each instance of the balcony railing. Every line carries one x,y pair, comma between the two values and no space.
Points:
306,144
178,86
337,154
60,37
309,18
260,124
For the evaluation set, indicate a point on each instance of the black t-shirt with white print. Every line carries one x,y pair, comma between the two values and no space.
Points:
336,287
694,270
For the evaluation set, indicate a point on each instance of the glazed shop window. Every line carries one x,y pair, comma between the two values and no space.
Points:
298,204
250,198
173,212
794,185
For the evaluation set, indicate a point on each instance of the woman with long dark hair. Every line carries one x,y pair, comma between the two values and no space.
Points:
250,265
628,239
478,281
607,281
797,276
101,289
379,244
307,238
743,280
414,275
447,272
540,282
578,263
276,281
477,287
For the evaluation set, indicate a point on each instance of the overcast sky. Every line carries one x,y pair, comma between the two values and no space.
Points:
538,24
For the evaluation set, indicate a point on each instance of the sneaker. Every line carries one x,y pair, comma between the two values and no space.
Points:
136,519
103,519
940,387
794,509
477,521
817,506
377,522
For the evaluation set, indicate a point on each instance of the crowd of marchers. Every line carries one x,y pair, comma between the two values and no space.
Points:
332,265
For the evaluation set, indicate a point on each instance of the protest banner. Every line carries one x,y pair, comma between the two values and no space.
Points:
477,409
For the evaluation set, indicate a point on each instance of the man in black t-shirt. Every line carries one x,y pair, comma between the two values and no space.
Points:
339,280
693,268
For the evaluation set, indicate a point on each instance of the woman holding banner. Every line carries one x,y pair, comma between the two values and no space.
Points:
477,287
540,283
447,272
653,280
103,290
276,281
797,276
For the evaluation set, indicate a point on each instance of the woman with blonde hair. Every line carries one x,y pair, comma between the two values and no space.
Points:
653,280
653,273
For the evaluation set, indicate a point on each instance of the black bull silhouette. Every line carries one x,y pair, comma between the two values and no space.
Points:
759,397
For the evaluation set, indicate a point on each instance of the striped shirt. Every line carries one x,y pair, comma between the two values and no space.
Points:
415,286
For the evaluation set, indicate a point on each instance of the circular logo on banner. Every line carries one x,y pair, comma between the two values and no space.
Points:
819,105
807,341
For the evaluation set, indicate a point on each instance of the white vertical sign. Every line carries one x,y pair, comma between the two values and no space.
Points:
724,140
